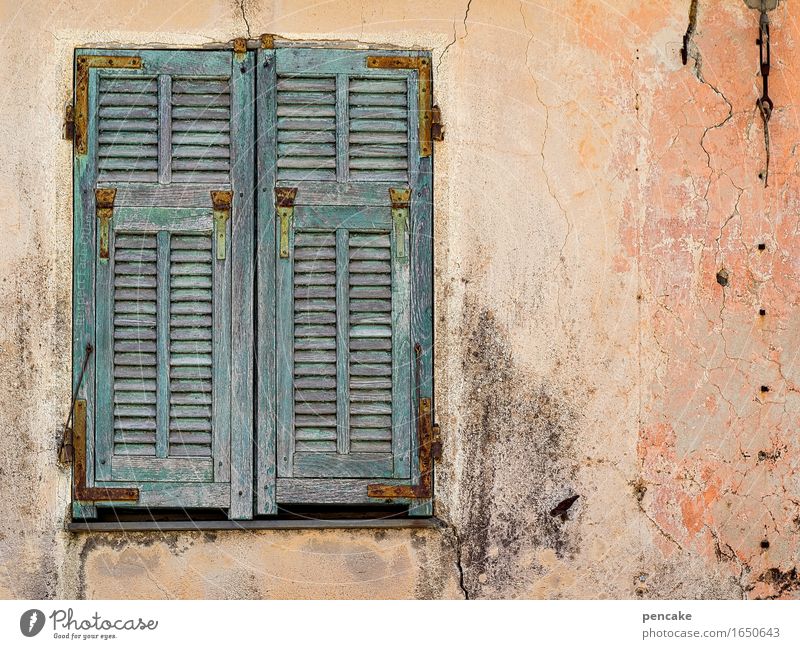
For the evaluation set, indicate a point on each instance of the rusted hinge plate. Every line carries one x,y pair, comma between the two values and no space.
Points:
80,491
284,201
69,122
104,208
84,64
423,67
239,48
221,202
267,41
428,447
437,128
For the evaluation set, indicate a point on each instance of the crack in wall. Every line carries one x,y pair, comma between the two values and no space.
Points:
455,36
243,10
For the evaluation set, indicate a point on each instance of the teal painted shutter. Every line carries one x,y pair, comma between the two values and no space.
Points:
341,378
170,382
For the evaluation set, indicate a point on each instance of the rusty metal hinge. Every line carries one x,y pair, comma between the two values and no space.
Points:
437,127
267,41
69,122
221,200
429,448
400,200
284,200
65,449
81,113
104,208
423,67
239,48
80,491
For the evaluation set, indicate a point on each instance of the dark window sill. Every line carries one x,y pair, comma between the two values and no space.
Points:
266,524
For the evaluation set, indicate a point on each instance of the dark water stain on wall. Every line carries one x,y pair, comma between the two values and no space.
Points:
517,447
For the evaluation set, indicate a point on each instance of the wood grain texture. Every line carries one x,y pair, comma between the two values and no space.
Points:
266,237
242,268
156,326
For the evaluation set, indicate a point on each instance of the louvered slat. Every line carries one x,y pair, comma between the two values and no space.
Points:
315,342
378,129
190,345
306,128
135,362
127,149
370,343
201,112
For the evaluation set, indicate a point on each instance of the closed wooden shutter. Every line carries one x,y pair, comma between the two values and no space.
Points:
335,361
169,386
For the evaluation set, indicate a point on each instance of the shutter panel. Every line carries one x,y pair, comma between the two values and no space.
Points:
341,380
171,393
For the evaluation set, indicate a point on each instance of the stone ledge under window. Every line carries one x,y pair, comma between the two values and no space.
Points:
266,524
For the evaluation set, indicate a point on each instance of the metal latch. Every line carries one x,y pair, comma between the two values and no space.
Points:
80,491
221,200
284,199
104,208
400,199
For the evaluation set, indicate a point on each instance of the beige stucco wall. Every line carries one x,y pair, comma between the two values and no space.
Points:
588,191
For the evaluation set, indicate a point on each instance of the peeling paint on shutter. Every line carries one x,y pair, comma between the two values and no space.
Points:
306,128
127,148
341,134
191,345
370,342
201,117
378,115
135,362
171,327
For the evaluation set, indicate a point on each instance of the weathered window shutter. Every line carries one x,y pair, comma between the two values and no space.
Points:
345,263
163,223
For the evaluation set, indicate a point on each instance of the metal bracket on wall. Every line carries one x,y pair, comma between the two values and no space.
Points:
221,200
80,491
83,65
104,208
284,200
400,199
267,41
426,111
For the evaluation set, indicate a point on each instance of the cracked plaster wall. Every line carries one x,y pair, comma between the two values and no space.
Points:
588,192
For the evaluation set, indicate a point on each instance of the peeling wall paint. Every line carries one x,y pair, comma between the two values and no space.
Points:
590,191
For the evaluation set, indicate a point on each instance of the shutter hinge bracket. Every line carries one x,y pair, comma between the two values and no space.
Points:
267,41
429,448
81,112
422,65
239,48
221,200
400,200
69,122
80,491
104,208
437,127
284,201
